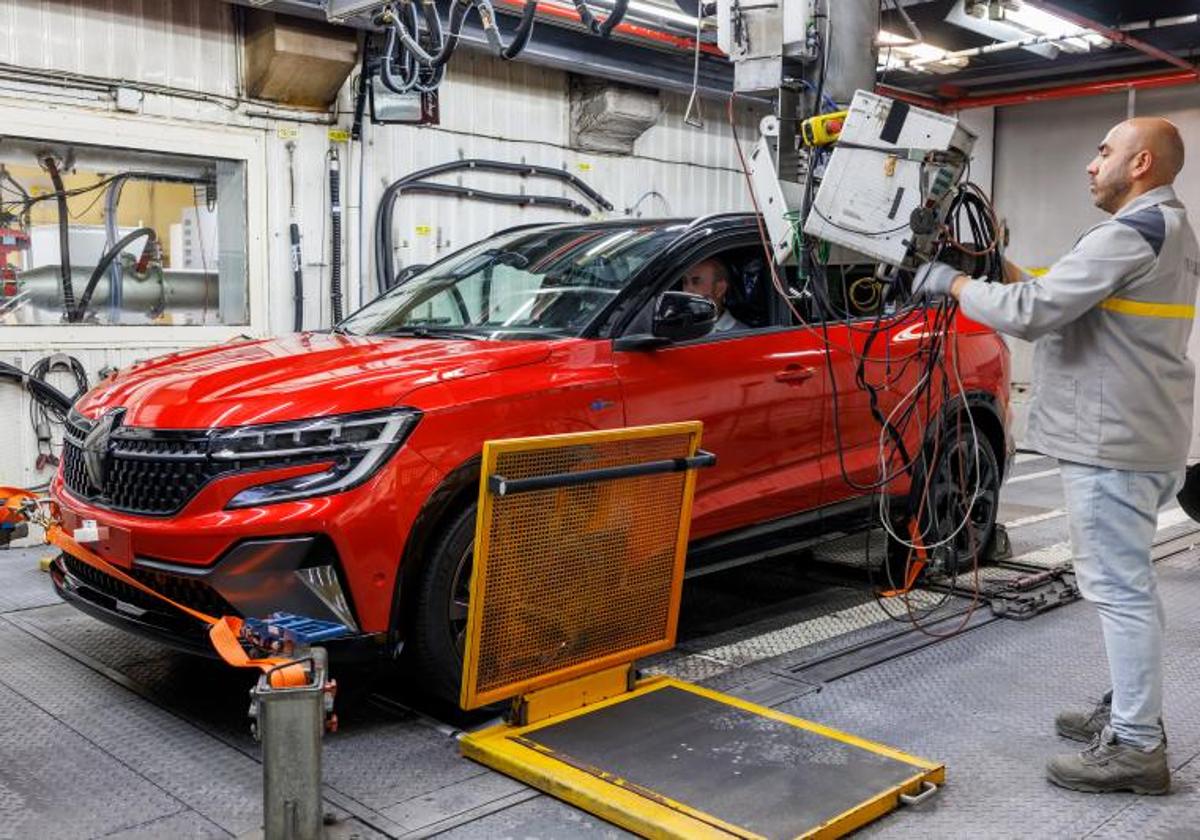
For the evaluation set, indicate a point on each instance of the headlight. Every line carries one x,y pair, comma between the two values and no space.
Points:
357,444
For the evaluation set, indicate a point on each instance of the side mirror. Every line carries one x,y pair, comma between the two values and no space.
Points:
680,316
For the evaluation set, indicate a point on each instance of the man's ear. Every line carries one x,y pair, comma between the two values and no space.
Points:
1141,164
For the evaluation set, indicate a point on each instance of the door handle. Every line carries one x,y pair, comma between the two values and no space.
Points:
795,373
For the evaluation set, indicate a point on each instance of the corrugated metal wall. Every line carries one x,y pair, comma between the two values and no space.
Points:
491,109
185,44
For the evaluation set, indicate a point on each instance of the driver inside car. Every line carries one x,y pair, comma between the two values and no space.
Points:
710,278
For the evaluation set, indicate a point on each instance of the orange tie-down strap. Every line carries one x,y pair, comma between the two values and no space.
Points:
223,632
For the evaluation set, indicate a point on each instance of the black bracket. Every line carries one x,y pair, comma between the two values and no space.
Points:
498,485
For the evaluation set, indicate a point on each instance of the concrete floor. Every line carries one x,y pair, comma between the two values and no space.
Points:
108,736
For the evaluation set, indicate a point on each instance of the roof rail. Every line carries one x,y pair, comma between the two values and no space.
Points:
524,226
711,216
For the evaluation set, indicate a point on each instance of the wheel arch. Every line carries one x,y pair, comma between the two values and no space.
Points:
454,493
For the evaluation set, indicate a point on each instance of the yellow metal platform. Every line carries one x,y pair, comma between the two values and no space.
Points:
578,569
670,759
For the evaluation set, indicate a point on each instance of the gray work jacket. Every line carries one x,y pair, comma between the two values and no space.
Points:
1112,383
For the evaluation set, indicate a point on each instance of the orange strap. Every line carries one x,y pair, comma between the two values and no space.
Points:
12,501
223,632
913,567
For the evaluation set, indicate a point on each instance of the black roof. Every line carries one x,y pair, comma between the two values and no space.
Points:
714,221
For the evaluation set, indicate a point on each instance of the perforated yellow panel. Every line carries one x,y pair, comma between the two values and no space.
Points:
576,579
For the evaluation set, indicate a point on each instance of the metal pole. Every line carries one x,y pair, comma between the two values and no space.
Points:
289,721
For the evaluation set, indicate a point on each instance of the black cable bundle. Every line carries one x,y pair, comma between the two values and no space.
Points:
64,243
415,58
335,225
48,406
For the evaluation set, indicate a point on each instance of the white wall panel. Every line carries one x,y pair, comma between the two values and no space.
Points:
185,44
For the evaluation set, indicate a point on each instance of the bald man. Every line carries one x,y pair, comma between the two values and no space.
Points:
711,279
1112,400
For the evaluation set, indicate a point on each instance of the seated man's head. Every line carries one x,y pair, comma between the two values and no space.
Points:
709,278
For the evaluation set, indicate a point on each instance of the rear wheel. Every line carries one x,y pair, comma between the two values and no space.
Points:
959,508
439,621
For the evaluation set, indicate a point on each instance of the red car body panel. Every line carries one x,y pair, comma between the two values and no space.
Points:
771,428
765,397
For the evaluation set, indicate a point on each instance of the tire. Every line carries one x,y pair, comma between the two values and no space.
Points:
437,629
946,505
1189,494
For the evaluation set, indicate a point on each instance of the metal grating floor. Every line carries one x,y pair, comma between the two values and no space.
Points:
108,735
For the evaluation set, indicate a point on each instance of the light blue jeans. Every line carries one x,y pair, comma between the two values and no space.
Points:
1113,516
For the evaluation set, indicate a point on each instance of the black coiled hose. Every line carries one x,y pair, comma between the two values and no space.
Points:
524,31
407,65
335,225
64,239
105,261
605,27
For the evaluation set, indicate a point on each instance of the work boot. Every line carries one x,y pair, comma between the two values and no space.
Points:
1108,765
1085,726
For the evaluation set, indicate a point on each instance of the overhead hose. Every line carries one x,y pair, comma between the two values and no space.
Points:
335,225
524,31
487,16
458,16
419,69
408,65
105,261
44,394
64,238
602,28
385,270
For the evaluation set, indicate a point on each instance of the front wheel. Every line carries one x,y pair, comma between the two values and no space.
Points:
438,629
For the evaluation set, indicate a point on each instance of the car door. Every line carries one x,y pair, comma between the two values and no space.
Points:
760,394
893,360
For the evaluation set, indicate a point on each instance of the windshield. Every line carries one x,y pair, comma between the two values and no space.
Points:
546,283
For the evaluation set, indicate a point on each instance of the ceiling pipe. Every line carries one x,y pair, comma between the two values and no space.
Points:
910,97
1072,91
1116,35
1034,40
629,30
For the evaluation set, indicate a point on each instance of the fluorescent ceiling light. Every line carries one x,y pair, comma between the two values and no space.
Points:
898,51
891,39
1021,21
1040,22
655,10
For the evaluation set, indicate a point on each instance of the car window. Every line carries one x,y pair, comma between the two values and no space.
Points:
738,280
834,293
543,283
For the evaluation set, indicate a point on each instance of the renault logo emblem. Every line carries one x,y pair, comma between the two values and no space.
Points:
96,447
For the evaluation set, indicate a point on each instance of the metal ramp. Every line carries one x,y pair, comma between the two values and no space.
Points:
578,569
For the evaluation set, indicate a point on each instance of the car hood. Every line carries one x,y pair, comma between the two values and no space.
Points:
293,377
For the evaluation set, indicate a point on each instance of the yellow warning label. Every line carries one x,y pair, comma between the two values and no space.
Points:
424,230
584,166
339,135
287,132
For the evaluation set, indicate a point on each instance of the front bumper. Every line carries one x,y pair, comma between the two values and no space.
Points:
120,605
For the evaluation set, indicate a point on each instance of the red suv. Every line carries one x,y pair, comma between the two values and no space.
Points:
334,475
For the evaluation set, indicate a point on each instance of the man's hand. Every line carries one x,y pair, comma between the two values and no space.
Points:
936,280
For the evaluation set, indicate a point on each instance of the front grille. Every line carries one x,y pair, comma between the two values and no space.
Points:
156,472
144,476
189,591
